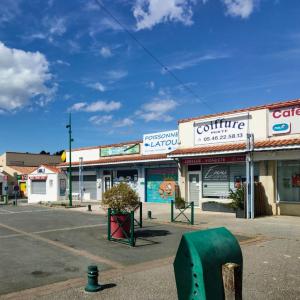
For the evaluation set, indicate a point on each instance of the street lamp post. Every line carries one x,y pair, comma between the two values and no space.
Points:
69,126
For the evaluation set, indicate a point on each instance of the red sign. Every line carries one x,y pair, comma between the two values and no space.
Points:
38,177
214,160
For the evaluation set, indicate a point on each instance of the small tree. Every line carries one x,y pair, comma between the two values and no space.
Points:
120,198
237,197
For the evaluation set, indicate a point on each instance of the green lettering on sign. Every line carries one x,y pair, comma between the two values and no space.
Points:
121,150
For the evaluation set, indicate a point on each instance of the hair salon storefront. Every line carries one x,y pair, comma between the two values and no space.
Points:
258,146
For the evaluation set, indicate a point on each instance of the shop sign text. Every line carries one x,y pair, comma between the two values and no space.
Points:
216,173
284,120
221,130
120,150
214,160
161,142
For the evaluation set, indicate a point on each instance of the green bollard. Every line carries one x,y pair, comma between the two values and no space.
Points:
198,264
92,284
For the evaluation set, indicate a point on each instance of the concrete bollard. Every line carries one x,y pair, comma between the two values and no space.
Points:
89,207
92,283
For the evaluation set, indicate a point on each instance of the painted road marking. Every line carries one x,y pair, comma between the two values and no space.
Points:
6,211
54,230
74,251
26,211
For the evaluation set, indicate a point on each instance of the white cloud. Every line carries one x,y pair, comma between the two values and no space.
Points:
240,8
149,13
192,60
96,106
97,120
157,110
115,75
150,84
9,10
105,52
123,123
23,78
62,62
97,86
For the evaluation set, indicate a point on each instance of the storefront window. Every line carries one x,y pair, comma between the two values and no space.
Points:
288,180
217,180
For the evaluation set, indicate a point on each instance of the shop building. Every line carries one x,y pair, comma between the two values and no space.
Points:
3,184
17,165
219,152
46,184
144,165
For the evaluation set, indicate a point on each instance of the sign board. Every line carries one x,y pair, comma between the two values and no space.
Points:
221,130
214,160
284,120
120,150
160,142
38,178
216,173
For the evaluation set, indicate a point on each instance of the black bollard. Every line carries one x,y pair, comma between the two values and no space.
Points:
89,207
149,214
92,284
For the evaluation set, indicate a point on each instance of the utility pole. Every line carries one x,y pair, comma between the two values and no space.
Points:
69,126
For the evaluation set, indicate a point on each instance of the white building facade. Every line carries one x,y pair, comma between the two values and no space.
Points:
46,184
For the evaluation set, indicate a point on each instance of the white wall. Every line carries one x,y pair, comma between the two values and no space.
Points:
4,183
258,125
87,154
52,190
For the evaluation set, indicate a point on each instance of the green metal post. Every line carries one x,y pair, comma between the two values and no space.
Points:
141,214
69,126
192,213
132,228
108,224
172,210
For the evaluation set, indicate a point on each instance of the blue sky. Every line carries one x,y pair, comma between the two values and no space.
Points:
58,57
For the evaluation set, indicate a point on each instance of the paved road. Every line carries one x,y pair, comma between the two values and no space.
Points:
44,246
40,245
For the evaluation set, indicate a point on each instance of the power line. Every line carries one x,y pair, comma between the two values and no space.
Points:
157,60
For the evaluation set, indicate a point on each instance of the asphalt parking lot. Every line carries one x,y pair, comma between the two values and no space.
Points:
40,246
49,249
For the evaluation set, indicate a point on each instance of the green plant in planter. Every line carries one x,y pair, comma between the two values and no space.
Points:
120,198
179,202
237,197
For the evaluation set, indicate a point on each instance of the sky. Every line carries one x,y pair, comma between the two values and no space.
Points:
62,57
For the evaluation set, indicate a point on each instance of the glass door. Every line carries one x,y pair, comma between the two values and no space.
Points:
106,183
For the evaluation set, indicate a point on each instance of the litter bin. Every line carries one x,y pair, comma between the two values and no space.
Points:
199,260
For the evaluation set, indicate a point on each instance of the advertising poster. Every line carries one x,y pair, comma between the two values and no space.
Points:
121,150
161,184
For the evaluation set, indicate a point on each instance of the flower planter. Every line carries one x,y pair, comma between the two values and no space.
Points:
116,229
240,213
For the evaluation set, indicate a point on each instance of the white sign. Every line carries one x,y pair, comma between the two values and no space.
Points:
160,142
284,120
221,130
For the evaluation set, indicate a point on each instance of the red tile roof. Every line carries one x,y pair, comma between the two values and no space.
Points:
23,170
52,168
237,146
266,106
121,159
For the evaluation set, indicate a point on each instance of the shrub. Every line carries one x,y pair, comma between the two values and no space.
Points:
237,197
179,202
120,198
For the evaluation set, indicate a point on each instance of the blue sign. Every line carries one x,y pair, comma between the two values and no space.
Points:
281,127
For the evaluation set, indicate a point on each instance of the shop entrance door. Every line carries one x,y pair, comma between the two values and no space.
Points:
194,187
106,183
